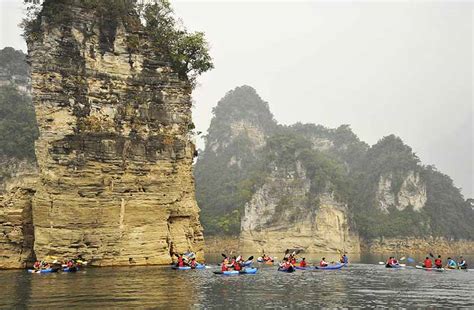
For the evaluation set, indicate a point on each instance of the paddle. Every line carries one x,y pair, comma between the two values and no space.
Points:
250,258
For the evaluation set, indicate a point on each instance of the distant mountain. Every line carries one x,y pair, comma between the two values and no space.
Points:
262,180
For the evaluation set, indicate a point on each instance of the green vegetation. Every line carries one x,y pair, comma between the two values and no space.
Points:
229,171
334,160
186,52
18,128
13,62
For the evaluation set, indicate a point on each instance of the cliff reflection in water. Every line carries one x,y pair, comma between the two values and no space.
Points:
359,285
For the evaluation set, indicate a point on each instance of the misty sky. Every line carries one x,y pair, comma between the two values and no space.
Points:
388,67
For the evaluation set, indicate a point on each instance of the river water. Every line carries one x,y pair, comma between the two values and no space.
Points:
359,285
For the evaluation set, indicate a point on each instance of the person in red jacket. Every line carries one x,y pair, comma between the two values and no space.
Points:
427,263
438,262
303,262
193,263
236,265
323,263
224,265
180,261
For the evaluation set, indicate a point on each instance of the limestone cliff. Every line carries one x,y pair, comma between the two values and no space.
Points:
241,124
114,153
286,213
16,223
412,193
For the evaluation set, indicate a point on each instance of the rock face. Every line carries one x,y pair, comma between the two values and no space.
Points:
114,152
16,223
412,193
283,214
420,246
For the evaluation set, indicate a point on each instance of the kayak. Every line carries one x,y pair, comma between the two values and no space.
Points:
393,266
286,270
70,269
330,267
304,268
198,266
429,269
49,270
235,272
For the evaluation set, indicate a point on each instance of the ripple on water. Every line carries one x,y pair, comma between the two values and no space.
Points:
356,286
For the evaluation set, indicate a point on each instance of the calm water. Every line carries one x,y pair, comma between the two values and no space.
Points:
359,285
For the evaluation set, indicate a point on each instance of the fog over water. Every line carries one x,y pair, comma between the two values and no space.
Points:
383,67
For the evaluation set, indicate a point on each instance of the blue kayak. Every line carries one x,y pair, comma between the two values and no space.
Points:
49,270
304,268
198,266
70,269
291,269
235,272
330,267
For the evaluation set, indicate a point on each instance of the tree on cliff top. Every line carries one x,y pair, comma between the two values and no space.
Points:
186,52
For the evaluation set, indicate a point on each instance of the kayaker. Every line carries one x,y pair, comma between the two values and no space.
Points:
193,263
286,265
427,263
37,265
323,262
303,262
70,264
292,259
438,262
451,264
462,263
224,266
180,261
390,261
236,266
344,259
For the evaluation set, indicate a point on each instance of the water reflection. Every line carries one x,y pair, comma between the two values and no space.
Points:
360,285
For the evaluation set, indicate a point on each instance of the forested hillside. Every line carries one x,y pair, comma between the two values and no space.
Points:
389,192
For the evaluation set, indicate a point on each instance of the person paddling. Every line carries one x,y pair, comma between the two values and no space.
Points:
438,262
180,261
344,259
224,266
303,262
427,263
451,264
323,262
462,263
193,263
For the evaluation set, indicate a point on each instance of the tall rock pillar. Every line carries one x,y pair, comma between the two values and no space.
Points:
114,152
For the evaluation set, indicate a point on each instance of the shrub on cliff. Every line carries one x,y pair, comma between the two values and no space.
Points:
186,52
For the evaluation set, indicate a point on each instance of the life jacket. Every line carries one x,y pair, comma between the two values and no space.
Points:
37,265
323,263
237,266
428,263
293,261
193,263
69,264
224,267
390,261
303,263
438,262
180,262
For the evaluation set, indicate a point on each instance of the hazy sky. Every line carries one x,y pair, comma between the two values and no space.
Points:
382,67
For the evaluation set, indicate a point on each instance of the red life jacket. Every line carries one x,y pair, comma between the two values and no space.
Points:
237,266
193,263
323,263
180,262
428,263
438,262
303,263
224,267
